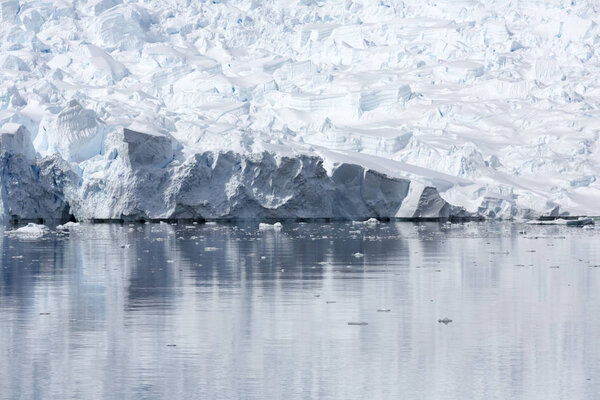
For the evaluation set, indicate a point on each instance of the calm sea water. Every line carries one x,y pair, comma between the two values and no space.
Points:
161,311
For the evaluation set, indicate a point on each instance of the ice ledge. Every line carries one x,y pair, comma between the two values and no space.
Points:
138,178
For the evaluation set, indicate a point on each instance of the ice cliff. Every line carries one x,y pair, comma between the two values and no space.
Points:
329,109
138,178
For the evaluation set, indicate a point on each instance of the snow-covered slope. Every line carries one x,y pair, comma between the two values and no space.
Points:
303,108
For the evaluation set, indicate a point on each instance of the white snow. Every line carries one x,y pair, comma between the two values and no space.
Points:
490,105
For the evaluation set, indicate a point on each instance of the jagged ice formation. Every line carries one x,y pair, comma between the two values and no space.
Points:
272,109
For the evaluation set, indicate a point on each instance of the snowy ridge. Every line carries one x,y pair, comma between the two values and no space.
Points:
493,103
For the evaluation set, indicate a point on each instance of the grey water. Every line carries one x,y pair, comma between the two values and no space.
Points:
159,311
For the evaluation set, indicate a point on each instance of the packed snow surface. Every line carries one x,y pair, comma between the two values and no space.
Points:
245,108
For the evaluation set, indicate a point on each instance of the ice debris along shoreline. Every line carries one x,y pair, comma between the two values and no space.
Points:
492,103
567,222
137,176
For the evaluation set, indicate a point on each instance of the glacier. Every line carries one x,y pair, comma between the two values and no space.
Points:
139,178
275,109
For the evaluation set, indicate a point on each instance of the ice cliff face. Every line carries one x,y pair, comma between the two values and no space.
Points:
75,133
138,178
31,188
299,108
230,185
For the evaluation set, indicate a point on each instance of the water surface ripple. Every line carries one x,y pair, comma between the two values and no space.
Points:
229,311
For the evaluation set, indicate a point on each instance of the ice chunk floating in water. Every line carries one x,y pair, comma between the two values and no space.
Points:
264,226
30,231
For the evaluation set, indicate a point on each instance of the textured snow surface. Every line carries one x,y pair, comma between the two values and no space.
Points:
245,108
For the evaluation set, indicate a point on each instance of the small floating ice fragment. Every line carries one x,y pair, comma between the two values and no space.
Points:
358,255
30,231
264,226
370,221
67,226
